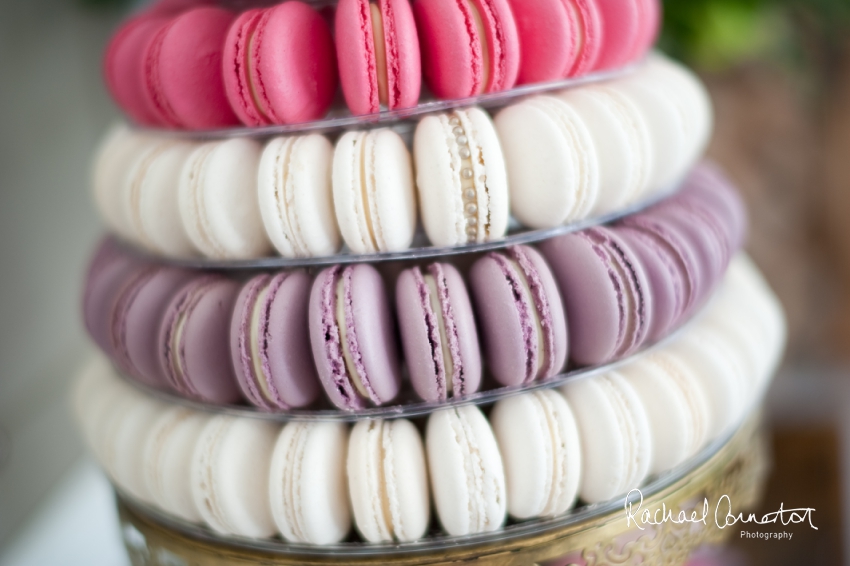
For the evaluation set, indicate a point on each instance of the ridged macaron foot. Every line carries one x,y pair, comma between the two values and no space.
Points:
183,71
438,332
167,460
296,196
541,451
622,140
388,481
353,337
194,340
520,314
378,52
307,485
230,475
467,475
606,294
553,167
468,48
218,200
461,176
269,342
135,318
374,192
279,65
675,404
615,435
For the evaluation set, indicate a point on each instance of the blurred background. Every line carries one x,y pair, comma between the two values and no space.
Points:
779,74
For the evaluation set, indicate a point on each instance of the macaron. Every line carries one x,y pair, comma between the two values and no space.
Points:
629,28
388,481
218,201
353,337
123,64
167,460
229,475
622,140
615,434
552,162
468,48
182,71
541,451
676,407
606,294
373,191
269,343
135,318
150,199
467,475
461,176
438,332
194,340
307,485
296,196
377,48
279,65
520,314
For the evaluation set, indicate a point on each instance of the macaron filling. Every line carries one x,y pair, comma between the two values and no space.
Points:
544,320
449,332
284,197
484,47
477,225
292,481
380,53
558,466
258,330
196,184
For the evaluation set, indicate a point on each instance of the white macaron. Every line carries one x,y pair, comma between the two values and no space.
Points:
307,485
388,481
541,451
461,176
373,191
467,476
296,196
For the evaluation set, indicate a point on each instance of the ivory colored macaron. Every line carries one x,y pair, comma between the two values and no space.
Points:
615,433
541,452
230,475
296,196
218,200
388,481
374,192
461,176
307,486
467,475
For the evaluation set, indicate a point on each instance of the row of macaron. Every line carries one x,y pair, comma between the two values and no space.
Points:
548,160
207,67
276,339
534,454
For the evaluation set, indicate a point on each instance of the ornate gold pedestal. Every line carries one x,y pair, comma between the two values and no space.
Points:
596,535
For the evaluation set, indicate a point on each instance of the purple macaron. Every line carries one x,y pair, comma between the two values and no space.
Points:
521,316
438,332
352,337
194,340
135,319
269,343
606,294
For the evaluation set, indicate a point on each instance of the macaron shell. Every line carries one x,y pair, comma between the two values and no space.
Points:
503,43
130,435
230,476
296,196
293,64
102,288
186,69
549,289
404,59
621,23
547,31
218,200
235,68
592,36
307,484
553,169
467,476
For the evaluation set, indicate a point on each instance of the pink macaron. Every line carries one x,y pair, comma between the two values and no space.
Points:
279,65
629,28
378,51
182,76
469,47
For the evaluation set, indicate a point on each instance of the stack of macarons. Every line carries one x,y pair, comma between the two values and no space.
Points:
532,455
547,161
193,65
503,318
